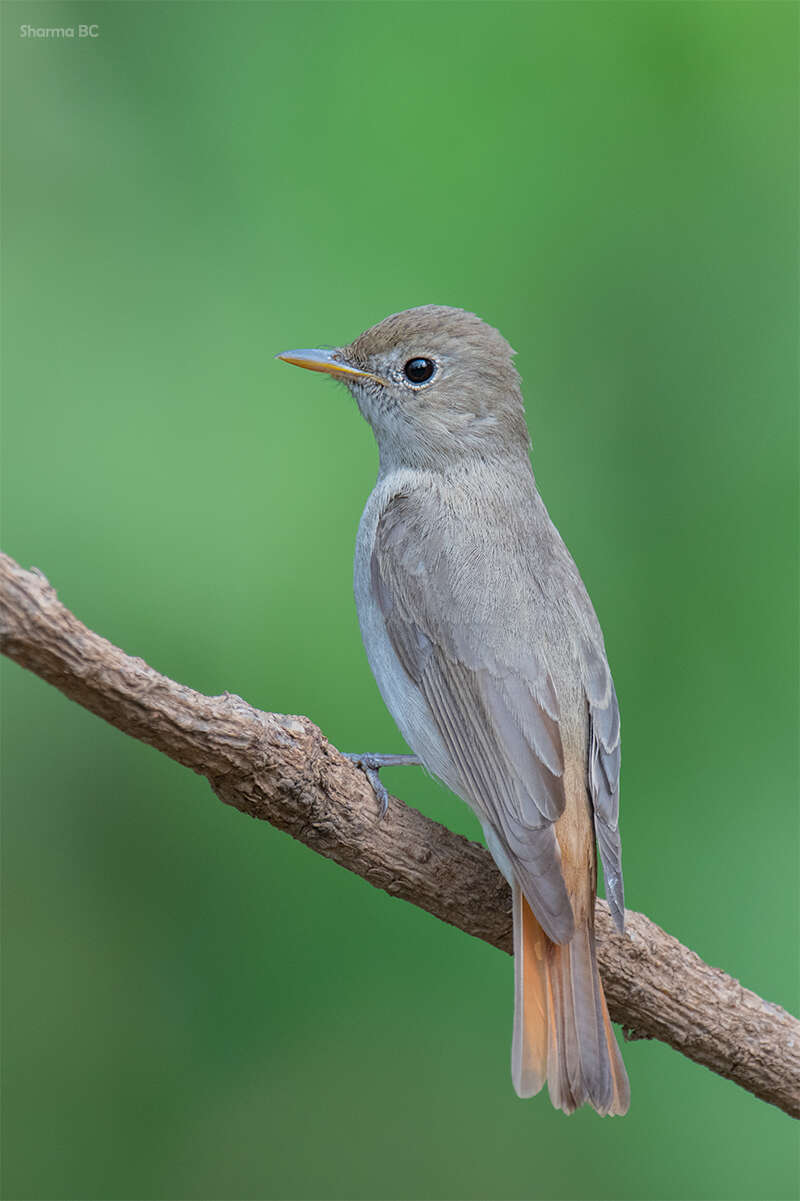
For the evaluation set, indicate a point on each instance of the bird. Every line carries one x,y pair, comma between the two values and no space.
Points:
488,654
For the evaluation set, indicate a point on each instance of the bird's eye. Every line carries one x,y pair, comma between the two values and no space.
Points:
419,370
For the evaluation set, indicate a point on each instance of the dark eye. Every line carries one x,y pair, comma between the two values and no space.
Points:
419,370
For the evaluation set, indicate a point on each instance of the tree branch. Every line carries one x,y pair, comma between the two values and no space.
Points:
283,770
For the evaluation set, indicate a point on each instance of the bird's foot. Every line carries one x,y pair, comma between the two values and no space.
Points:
372,764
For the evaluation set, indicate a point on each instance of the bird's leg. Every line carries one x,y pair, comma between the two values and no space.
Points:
372,764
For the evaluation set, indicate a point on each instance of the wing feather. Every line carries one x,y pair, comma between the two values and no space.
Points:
500,726
493,699
604,765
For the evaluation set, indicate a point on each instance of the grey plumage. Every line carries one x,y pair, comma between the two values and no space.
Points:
485,681
489,655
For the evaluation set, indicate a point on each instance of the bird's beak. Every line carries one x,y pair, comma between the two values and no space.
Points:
325,360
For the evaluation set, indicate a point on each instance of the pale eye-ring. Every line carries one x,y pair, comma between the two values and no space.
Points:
419,371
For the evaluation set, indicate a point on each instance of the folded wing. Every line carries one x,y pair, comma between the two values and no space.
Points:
500,725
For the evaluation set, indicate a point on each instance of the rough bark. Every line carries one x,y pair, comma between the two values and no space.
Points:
283,770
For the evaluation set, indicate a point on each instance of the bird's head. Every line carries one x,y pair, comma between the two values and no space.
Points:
435,383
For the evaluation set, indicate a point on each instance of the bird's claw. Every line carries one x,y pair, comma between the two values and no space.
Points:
371,766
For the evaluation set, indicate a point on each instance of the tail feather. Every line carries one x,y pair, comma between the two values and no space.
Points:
562,1031
622,1089
529,1049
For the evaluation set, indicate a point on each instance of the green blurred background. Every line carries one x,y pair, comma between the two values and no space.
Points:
195,1005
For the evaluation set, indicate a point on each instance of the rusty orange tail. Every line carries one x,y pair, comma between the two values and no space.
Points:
562,1031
